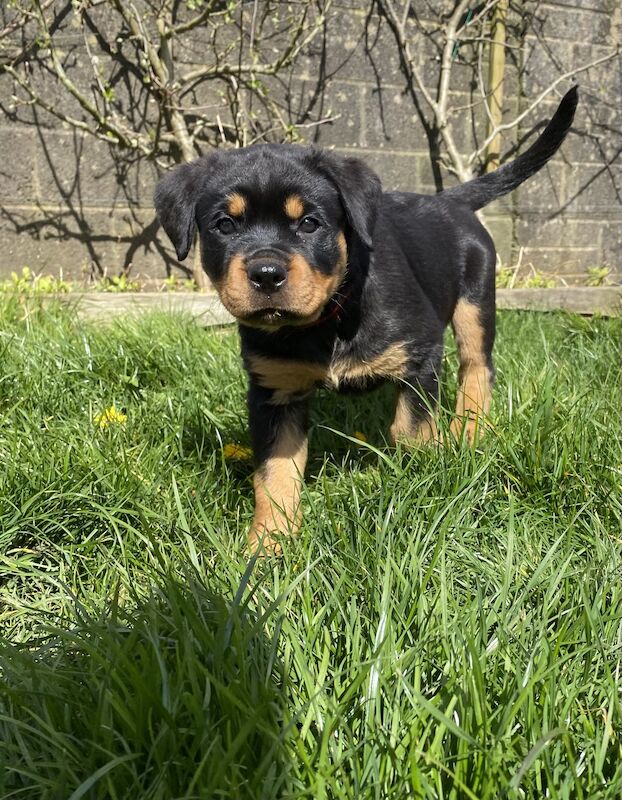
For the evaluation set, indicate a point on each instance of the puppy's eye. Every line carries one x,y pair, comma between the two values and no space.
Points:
308,225
226,225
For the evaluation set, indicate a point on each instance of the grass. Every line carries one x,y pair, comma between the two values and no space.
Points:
448,624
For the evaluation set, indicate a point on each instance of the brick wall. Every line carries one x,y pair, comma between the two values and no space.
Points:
70,205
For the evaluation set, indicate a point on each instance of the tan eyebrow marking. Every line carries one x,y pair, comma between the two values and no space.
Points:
294,207
236,204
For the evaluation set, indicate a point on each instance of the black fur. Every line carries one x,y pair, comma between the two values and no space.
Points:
481,191
359,190
410,259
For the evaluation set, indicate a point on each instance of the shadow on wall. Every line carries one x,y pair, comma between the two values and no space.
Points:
79,207
90,214
83,208
91,217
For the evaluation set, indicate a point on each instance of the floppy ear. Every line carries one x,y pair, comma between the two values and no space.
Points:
175,201
359,188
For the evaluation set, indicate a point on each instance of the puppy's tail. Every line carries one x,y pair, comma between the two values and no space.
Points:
481,191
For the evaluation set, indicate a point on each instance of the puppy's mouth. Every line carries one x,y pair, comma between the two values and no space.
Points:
275,318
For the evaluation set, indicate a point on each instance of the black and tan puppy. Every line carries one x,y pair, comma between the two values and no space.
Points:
335,283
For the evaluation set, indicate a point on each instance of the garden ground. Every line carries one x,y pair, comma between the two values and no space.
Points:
447,625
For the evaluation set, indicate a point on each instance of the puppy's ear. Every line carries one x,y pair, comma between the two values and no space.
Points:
359,188
175,202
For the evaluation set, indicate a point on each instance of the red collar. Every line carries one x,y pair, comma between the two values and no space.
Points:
333,308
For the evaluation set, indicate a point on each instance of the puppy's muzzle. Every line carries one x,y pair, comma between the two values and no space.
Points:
266,272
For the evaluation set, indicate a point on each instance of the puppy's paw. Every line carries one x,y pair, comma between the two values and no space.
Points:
472,428
264,542
423,434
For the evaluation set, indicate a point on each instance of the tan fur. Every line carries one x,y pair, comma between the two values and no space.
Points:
474,392
234,288
389,364
407,430
294,207
306,292
309,288
343,250
288,377
236,205
277,490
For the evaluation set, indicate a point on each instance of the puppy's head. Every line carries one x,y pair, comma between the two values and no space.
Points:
274,223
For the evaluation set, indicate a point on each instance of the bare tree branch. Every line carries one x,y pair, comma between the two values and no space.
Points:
542,96
20,18
438,104
131,96
178,30
458,30
285,60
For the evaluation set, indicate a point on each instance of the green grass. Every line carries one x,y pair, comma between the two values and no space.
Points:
448,624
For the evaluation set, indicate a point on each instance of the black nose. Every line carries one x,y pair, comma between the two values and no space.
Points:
267,276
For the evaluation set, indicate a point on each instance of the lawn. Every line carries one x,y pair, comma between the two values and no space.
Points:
448,624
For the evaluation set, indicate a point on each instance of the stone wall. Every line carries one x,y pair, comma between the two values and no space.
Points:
69,205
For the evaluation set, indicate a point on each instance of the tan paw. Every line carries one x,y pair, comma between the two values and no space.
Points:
263,542
472,428
425,434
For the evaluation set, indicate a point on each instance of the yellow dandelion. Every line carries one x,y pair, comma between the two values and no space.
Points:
110,416
236,452
360,436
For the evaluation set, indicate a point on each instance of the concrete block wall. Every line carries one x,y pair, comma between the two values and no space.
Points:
70,205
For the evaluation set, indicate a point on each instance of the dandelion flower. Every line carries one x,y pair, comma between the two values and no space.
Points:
110,416
236,452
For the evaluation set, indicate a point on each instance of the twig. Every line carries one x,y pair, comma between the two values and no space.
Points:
517,120
19,22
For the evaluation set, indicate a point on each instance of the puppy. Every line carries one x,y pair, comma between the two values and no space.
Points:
336,283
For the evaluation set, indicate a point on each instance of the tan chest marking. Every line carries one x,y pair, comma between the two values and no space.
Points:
288,377
390,364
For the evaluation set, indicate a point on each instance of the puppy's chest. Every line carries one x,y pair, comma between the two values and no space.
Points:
347,369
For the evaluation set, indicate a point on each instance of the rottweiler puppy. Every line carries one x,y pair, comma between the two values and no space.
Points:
336,283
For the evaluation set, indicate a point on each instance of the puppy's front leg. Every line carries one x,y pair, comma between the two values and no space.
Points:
279,434
414,423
